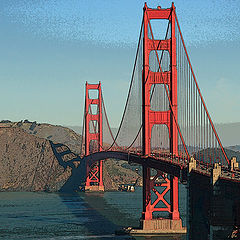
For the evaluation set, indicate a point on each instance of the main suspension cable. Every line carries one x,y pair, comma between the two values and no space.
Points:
130,88
198,89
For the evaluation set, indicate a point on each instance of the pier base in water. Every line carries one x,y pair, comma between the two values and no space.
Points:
159,227
94,188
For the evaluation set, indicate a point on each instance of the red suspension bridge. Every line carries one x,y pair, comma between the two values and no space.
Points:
165,124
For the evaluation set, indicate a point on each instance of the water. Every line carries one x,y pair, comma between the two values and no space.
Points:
26,215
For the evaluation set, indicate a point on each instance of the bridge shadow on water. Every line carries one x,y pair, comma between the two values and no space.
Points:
99,218
92,212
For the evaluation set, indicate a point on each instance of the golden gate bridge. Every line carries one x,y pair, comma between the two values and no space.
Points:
165,126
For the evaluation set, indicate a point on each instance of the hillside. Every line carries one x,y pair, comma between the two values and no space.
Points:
232,153
28,161
27,165
55,133
235,148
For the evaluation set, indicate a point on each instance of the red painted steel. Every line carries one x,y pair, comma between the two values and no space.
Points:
172,162
94,172
203,102
150,118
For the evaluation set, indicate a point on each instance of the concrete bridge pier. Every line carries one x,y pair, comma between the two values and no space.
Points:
213,205
198,193
225,206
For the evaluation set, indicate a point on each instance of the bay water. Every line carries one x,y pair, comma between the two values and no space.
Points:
38,215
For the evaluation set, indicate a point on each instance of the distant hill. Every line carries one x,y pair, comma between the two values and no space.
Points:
235,148
231,153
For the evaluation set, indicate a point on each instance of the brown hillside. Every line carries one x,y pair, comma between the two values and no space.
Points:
31,163
27,163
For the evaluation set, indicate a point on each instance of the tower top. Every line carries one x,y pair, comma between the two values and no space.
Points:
158,7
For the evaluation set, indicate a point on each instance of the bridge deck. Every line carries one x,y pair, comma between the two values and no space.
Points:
173,165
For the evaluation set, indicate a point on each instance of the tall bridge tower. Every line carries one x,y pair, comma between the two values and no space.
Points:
93,136
167,117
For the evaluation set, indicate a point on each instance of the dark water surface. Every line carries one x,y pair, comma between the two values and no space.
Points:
25,215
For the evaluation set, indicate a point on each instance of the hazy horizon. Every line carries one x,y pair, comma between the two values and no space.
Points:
228,132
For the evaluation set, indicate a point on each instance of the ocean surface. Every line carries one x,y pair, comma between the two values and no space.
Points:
33,215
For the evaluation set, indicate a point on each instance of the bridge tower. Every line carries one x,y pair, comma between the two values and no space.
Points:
93,136
150,118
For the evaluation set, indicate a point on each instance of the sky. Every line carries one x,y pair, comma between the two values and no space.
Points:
50,48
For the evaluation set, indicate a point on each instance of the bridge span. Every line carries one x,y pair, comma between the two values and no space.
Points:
175,166
165,126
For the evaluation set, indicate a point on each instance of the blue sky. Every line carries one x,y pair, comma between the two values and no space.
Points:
49,49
